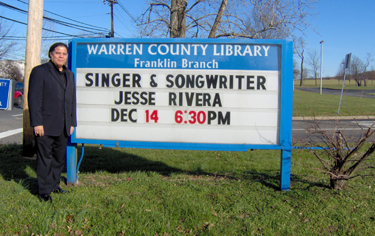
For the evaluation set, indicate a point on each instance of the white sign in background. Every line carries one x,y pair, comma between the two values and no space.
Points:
200,115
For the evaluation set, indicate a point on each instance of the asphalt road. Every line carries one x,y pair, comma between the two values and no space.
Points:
11,123
347,92
306,130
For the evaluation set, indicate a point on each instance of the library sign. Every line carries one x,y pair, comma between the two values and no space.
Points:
198,94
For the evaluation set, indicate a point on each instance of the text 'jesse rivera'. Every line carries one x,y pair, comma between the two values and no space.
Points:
178,49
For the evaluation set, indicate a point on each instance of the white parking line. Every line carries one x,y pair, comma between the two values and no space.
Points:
332,129
18,115
367,124
10,132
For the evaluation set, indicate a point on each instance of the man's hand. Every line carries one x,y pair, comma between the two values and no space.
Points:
39,130
71,129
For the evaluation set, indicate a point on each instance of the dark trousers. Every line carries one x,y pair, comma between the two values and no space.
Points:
51,157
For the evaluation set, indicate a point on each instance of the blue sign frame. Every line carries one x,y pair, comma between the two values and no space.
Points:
286,106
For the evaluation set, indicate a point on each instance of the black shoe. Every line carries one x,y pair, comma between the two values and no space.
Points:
59,190
45,198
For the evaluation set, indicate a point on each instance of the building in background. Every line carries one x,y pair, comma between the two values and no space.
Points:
12,69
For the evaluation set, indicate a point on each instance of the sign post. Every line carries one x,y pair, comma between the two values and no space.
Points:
346,68
204,94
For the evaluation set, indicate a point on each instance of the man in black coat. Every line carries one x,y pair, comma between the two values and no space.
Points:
52,106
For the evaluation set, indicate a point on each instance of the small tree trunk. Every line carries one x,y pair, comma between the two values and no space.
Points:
337,184
177,18
218,19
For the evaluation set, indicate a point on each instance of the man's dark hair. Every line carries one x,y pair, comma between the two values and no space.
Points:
55,45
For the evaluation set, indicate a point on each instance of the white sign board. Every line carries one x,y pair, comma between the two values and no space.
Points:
222,93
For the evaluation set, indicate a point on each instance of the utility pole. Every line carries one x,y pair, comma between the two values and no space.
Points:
111,2
32,59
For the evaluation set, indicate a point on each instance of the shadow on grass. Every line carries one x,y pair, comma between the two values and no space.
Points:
13,167
13,164
115,161
271,179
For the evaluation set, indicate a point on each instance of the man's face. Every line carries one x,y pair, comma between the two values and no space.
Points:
59,56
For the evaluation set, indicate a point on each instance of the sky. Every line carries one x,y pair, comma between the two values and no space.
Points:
345,26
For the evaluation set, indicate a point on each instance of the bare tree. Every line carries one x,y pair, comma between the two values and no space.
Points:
367,61
366,64
299,50
6,45
313,61
343,158
371,75
178,18
357,68
11,69
221,18
296,71
341,69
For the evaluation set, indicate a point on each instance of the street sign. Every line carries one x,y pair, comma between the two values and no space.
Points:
348,60
6,94
347,67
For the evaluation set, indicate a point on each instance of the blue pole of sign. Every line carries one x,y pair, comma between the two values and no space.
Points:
71,149
286,157
71,163
286,115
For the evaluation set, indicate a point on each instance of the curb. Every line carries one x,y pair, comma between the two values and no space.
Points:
333,118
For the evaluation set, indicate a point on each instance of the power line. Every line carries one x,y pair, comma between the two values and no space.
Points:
126,11
71,35
71,25
43,37
121,23
54,20
83,28
95,27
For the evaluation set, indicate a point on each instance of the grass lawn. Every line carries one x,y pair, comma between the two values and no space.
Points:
315,104
169,192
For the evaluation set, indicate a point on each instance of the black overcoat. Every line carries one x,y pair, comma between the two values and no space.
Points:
50,104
